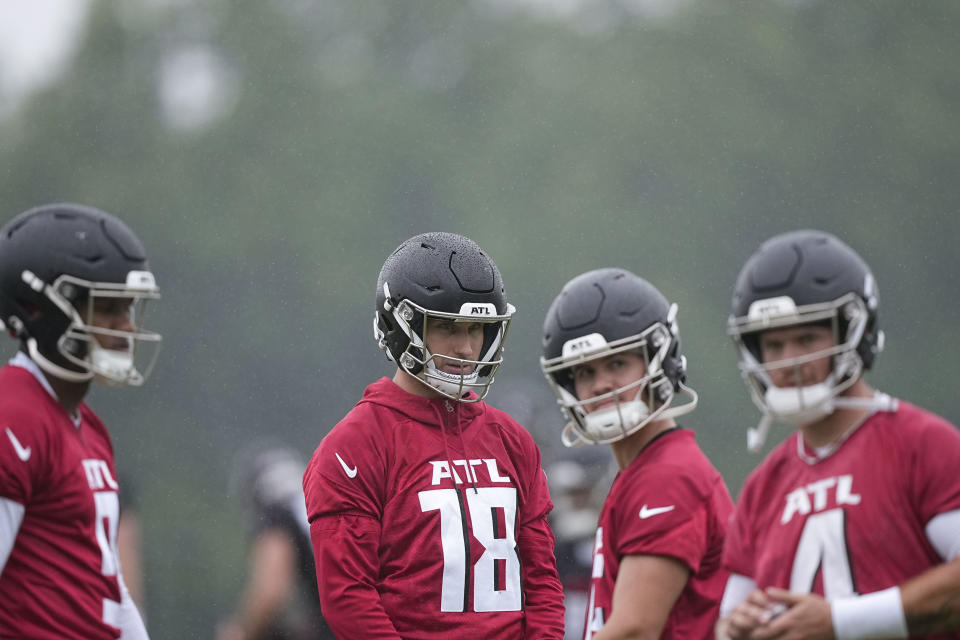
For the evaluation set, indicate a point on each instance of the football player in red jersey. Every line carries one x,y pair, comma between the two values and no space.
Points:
428,507
851,527
73,281
611,353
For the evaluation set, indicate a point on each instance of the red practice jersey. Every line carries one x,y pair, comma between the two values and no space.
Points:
61,579
852,522
428,520
671,502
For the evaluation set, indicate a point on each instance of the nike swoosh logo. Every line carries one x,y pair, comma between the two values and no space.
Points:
647,512
22,452
351,473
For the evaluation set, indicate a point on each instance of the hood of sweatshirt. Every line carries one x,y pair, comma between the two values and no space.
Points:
426,411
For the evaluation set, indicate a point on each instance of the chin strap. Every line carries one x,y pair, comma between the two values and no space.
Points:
757,435
572,437
453,386
879,401
114,368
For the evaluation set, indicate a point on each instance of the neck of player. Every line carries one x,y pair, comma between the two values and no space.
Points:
626,451
834,426
69,394
413,385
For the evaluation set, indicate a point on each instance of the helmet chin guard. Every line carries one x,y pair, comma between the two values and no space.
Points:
623,419
757,436
801,405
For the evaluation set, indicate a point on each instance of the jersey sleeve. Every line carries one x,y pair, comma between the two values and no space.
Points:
933,468
345,551
23,452
665,514
536,504
346,474
738,545
343,489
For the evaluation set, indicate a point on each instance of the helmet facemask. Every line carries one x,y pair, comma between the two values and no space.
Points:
847,317
412,319
636,404
130,354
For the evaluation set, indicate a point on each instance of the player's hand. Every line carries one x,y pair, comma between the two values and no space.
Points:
747,617
807,617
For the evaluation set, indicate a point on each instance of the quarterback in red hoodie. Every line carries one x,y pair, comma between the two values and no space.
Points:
428,508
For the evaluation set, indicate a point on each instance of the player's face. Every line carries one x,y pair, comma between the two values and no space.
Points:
606,374
115,314
797,342
462,340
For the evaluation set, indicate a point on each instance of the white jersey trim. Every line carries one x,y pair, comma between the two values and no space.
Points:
11,516
737,590
23,361
943,532
128,616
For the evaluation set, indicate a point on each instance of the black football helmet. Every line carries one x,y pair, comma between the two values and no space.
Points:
57,263
796,278
609,311
441,276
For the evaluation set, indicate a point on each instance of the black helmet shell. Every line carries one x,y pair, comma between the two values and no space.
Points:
809,267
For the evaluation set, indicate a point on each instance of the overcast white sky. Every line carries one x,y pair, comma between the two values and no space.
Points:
36,38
